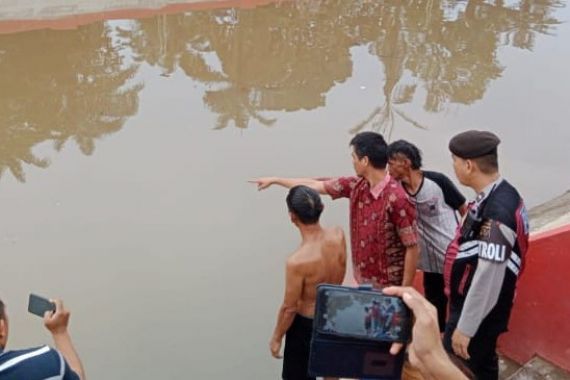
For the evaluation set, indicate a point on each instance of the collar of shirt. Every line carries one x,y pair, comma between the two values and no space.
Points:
487,191
380,186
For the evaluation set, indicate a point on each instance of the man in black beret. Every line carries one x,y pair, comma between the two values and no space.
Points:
486,257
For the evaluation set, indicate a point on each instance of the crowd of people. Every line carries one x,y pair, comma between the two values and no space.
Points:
404,218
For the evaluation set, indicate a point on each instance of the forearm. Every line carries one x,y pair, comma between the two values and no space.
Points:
482,296
410,265
315,184
64,345
440,367
284,321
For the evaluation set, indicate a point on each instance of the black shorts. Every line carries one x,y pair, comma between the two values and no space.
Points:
297,348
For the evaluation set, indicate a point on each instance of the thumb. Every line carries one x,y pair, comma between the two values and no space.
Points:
396,347
414,303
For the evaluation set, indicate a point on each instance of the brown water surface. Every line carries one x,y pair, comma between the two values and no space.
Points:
125,146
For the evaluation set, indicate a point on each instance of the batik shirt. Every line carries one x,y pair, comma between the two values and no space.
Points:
382,226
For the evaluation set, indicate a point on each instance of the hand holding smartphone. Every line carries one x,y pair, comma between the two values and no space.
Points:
39,305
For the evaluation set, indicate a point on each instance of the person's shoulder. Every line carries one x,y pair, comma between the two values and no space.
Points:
334,232
296,260
35,351
435,176
503,203
45,358
334,237
396,192
438,179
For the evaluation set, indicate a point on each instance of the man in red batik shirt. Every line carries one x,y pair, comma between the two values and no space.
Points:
383,230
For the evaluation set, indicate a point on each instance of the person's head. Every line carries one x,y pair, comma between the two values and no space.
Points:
305,205
474,156
3,325
369,152
366,309
403,157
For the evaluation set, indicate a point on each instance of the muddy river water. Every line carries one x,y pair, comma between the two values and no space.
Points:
126,140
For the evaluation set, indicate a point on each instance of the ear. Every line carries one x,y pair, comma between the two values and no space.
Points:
293,217
469,165
3,332
365,160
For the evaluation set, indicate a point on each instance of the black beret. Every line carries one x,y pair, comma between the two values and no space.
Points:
473,144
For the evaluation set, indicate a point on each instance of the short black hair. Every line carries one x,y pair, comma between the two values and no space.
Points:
2,307
305,203
407,149
489,163
373,146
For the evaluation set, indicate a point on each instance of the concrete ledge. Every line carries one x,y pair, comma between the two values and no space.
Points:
552,214
62,16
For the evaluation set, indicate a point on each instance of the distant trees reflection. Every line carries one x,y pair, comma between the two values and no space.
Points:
62,86
287,56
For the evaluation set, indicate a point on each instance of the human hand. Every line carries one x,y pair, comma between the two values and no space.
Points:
275,348
263,182
426,343
460,344
57,321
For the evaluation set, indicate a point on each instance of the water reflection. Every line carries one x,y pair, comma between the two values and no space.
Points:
448,48
286,57
275,58
73,85
59,86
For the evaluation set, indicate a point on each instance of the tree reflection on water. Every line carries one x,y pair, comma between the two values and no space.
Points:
60,86
74,85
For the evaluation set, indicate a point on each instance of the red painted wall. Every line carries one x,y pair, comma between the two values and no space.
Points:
540,321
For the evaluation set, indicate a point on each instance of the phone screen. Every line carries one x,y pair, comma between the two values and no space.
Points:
369,315
39,305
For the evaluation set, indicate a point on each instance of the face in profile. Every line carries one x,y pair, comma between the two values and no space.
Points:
461,168
397,167
3,331
359,164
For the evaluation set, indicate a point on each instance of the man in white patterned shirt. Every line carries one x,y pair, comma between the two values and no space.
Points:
438,203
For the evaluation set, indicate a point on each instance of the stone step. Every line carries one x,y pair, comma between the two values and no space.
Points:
535,369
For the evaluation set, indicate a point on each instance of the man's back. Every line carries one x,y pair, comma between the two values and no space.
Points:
322,260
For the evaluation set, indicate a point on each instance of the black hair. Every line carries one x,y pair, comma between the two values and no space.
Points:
409,150
489,163
305,203
373,146
2,307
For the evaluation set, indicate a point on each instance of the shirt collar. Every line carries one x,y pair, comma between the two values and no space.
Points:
380,186
487,190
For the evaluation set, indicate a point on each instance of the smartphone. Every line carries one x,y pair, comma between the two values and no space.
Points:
39,305
363,314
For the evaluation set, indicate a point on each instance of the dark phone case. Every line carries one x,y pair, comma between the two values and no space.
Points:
38,305
344,355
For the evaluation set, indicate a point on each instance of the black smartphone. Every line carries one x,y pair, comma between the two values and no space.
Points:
39,305
363,314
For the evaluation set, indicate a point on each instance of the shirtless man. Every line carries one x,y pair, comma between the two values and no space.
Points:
321,258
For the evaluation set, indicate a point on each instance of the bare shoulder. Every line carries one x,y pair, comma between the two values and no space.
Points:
297,259
336,234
